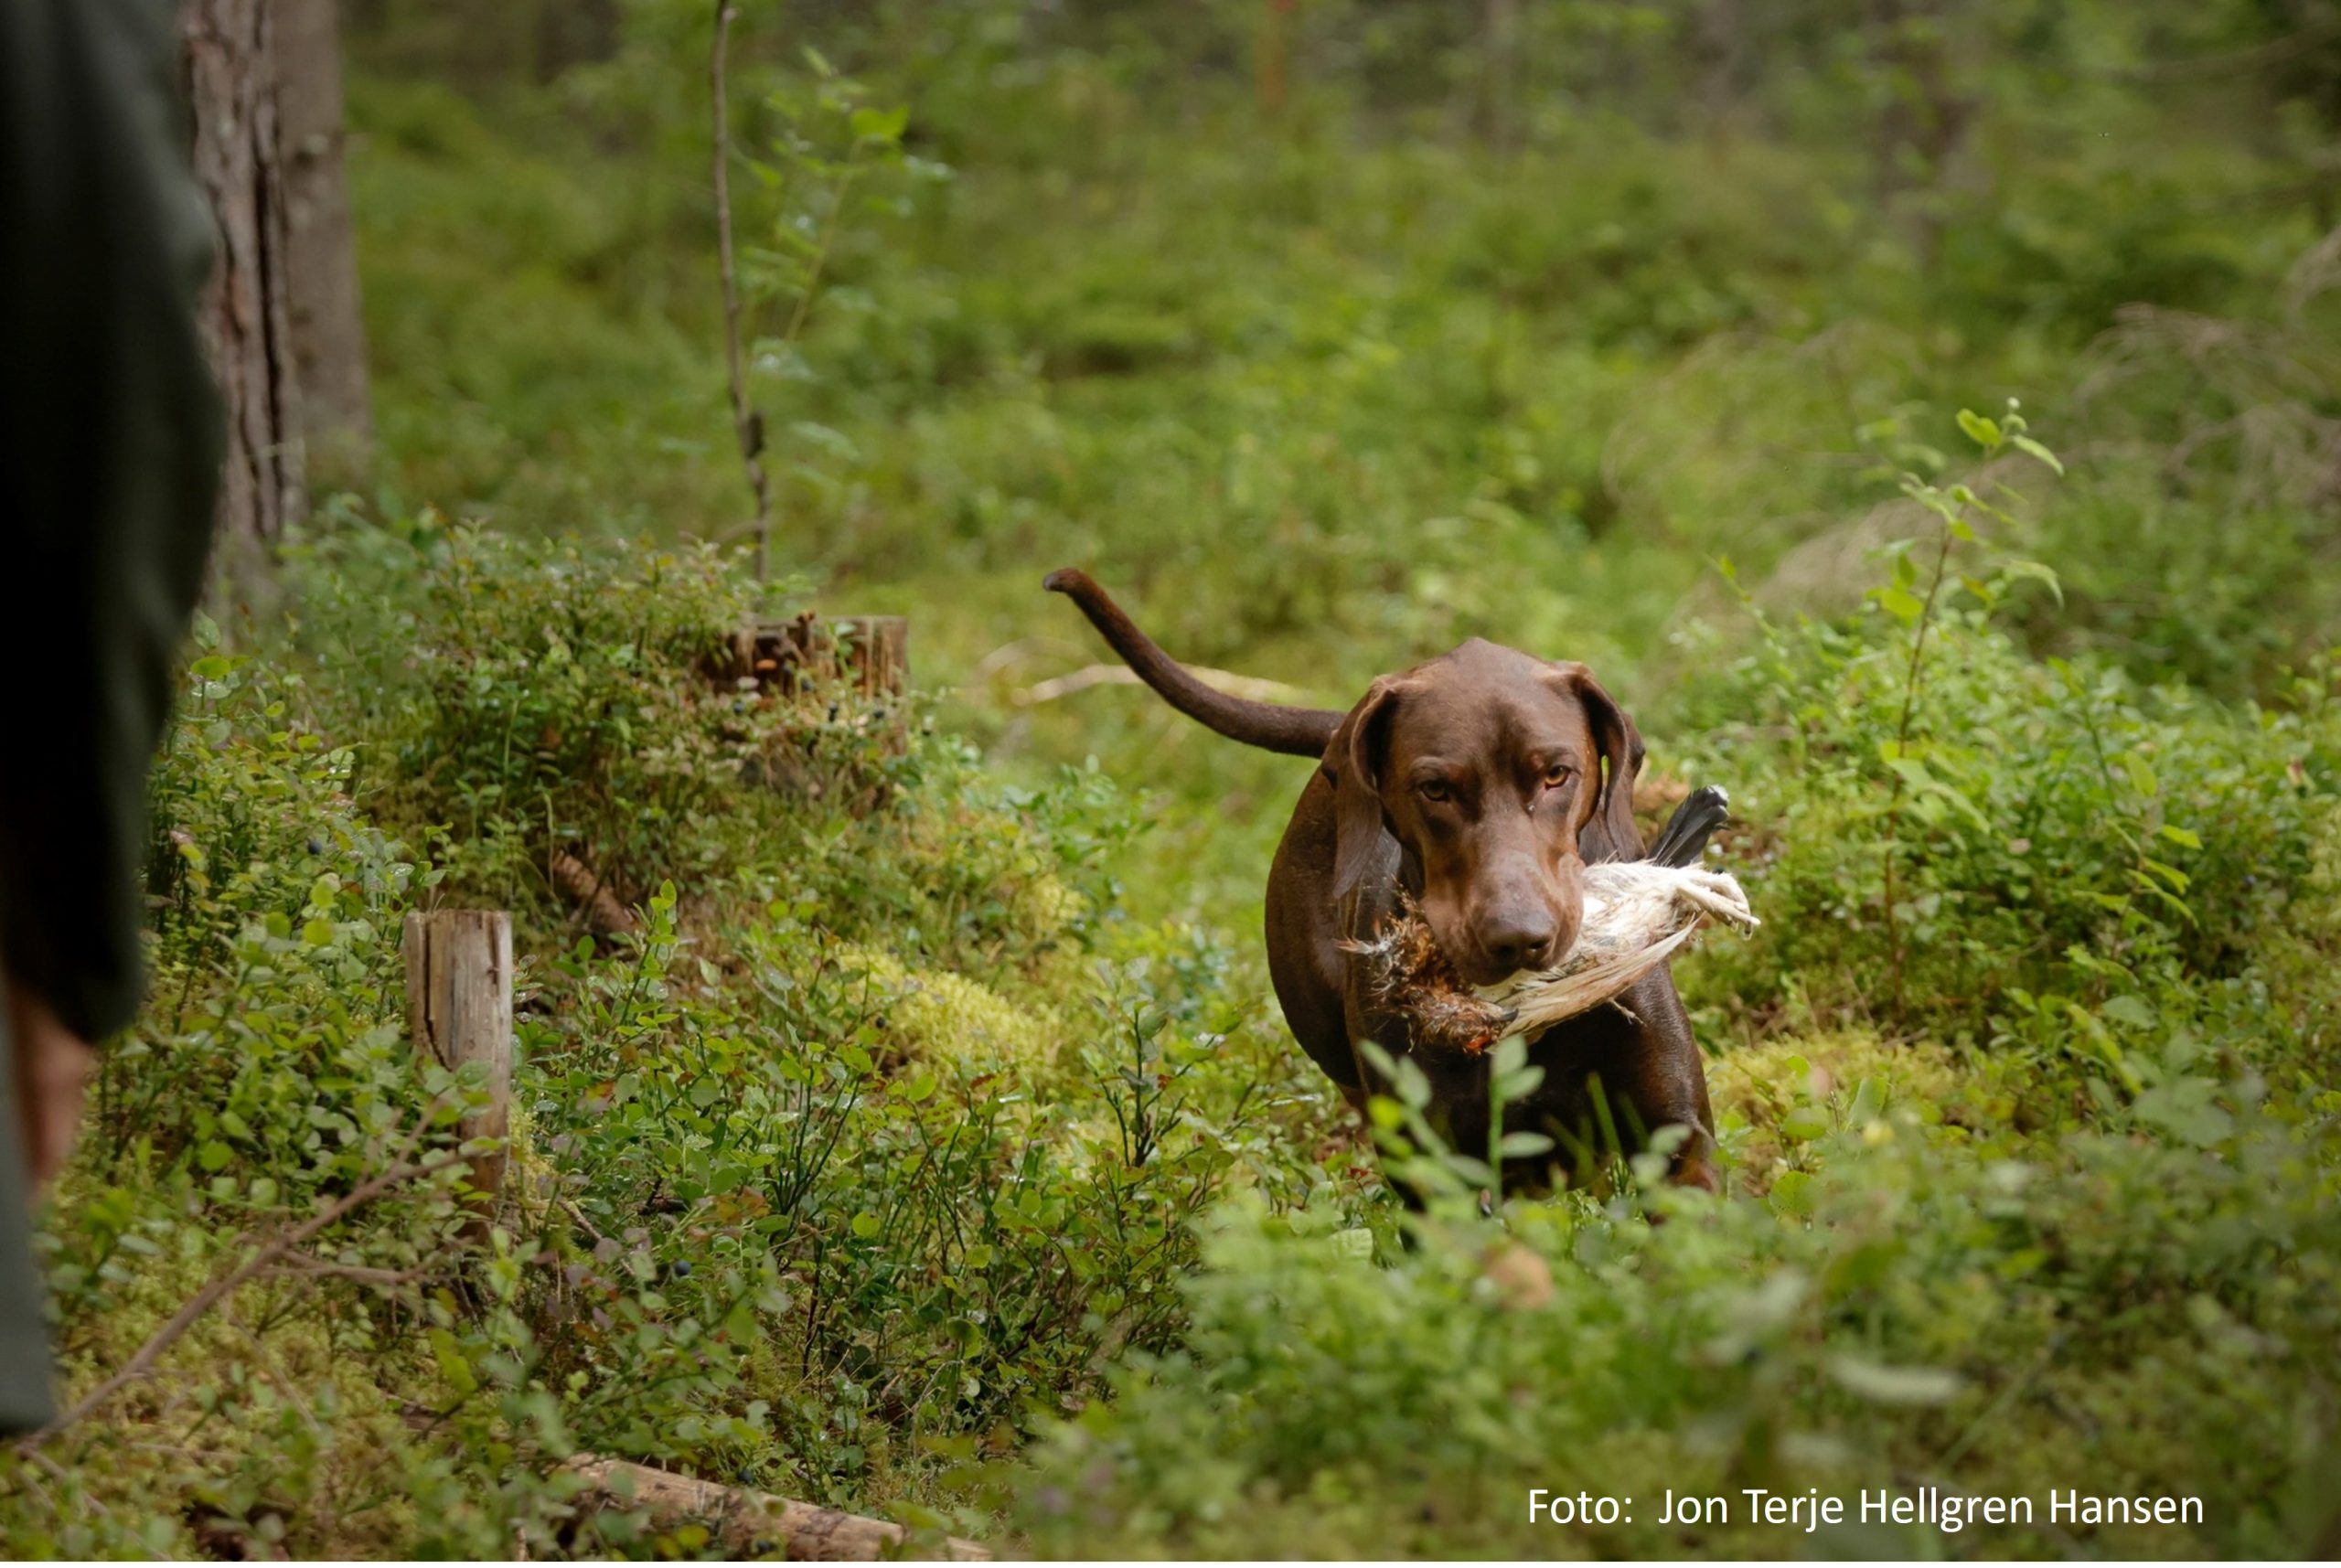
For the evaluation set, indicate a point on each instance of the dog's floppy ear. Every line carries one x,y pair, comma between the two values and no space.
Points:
1609,834
1353,761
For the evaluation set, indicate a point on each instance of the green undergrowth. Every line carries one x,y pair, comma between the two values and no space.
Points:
1321,395
2029,1112
884,1128
2044,1204
888,1163
922,1137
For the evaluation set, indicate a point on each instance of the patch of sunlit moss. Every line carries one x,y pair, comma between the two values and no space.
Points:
936,1015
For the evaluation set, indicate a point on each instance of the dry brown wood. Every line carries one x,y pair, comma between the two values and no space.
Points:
459,1011
746,1524
582,886
868,654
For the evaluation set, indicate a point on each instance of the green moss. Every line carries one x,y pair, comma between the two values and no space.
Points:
934,1016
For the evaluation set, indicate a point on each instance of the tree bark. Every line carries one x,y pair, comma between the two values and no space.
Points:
459,1011
328,332
231,66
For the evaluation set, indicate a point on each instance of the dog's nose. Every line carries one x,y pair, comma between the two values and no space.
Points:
1520,938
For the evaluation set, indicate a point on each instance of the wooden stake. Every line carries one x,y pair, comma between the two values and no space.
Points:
746,1524
459,1011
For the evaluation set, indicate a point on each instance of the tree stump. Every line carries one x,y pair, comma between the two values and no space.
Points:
459,1011
868,655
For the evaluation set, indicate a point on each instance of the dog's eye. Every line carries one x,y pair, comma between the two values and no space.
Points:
1433,789
1556,774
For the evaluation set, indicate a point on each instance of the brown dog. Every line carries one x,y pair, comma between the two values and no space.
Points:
1482,782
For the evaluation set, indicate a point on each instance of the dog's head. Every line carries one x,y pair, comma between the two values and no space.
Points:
1500,775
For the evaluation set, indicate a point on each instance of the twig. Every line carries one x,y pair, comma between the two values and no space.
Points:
569,1206
380,1278
227,1284
747,423
813,270
1901,752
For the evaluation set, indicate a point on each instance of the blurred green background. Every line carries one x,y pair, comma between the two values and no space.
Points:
1331,333
1328,333
1924,413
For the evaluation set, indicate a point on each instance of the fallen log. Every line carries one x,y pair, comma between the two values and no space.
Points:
746,1524
582,886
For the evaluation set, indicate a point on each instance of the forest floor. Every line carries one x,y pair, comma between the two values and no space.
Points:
934,1148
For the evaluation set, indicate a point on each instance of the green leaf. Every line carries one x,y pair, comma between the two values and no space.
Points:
1870,1101
1983,433
1791,1194
2183,1108
452,1364
214,1155
2045,575
2181,836
1806,1124
880,124
2025,443
2131,1010
1901,603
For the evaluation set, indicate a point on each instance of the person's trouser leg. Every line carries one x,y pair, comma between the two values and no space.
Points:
26,1394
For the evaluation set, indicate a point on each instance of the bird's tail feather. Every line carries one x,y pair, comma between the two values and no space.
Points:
1693,823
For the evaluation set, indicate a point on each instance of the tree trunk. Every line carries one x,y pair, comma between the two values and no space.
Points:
1273,62
328,336
1723,41
231,76
1499,74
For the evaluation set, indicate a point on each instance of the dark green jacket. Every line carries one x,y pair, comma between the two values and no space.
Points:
110,439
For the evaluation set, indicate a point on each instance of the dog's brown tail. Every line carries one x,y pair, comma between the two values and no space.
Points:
1298,732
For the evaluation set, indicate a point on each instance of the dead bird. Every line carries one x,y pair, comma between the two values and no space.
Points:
1636,915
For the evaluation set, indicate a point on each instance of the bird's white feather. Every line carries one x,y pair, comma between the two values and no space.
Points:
1636,915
